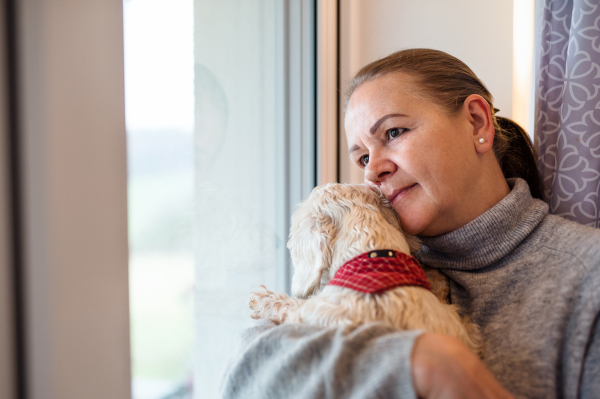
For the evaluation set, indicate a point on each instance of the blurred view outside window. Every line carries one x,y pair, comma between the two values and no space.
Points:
159,82
206,144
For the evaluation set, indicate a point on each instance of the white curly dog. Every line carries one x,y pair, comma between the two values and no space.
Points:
336,224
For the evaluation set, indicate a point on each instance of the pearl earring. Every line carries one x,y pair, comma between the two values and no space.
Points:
481,141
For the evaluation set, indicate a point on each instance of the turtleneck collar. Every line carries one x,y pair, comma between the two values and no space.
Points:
490,237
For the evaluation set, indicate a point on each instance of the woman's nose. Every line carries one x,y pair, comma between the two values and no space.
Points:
378,169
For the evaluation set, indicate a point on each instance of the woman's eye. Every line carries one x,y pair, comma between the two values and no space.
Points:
395,132
364,160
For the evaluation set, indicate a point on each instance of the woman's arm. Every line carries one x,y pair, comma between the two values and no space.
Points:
443,367
302,361
374,360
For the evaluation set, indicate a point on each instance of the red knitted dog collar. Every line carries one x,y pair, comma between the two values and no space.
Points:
377,271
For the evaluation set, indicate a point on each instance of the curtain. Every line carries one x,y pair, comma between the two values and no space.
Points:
568,109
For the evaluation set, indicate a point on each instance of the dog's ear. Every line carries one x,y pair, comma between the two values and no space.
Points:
413,243
310,246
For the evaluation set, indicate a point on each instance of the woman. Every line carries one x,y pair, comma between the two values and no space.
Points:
424,129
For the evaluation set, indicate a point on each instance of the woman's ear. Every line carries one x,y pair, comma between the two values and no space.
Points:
480,117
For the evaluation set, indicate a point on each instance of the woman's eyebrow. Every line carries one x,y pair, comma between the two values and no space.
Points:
374,128
381,120
353,148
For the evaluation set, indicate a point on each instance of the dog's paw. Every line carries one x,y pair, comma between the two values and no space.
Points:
259,302
266,304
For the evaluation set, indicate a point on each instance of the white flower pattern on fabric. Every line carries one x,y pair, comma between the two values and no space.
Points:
568,109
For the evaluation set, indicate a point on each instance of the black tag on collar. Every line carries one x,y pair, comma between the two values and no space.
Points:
382,253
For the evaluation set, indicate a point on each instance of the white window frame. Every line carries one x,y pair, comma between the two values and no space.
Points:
299,113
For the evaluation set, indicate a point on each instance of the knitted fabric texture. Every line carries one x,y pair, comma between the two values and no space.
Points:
377,271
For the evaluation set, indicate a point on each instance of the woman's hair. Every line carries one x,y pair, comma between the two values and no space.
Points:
447,81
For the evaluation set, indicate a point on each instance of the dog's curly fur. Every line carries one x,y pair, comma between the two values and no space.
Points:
336,223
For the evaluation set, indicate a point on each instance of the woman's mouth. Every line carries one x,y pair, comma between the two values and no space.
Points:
396,195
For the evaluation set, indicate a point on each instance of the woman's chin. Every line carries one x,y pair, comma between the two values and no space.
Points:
416,223
410,227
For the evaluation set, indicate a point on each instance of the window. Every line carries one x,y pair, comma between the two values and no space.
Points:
159,81
220,105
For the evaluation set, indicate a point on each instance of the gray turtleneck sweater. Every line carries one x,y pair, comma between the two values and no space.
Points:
530,280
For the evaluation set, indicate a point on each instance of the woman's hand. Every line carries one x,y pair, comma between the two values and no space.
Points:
444,368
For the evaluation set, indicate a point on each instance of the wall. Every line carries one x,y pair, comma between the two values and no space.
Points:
74,199
7,344
479,32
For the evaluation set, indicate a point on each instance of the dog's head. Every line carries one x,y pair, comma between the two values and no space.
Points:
336,223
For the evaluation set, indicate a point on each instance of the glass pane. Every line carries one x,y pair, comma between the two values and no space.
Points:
207,194
239,136
159,82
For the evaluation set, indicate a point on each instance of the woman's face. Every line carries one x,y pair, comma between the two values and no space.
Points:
423,160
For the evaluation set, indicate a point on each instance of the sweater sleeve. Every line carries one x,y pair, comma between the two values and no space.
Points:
301,361
590,382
